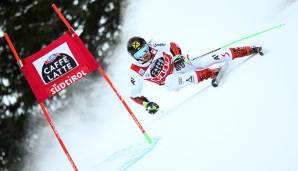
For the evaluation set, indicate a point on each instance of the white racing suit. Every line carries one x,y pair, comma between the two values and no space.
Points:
160,69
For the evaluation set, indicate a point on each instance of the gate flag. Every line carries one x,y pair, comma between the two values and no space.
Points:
57,66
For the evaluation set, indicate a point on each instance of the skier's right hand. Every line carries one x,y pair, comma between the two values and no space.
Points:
151,107
179,62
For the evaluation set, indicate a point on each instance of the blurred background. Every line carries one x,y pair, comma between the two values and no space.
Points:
32,24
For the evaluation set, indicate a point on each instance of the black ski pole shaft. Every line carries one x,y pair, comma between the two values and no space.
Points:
236,41
206,54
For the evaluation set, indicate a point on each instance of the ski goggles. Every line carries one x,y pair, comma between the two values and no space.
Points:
140,53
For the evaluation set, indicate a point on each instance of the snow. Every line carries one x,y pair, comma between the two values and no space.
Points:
247,123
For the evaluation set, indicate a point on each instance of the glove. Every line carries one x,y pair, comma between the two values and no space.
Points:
179,62
151,107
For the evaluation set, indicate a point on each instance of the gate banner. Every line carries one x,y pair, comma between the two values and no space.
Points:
57,66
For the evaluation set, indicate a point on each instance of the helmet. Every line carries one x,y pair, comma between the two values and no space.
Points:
136,44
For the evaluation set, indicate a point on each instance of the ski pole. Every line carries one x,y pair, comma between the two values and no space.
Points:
239,40
147,137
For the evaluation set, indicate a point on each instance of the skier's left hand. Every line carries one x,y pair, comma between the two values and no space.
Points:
151,107
179,62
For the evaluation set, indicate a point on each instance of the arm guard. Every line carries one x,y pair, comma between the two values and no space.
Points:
175,49
140,100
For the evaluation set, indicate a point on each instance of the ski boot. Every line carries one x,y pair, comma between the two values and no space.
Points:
257,50
215,72
214,82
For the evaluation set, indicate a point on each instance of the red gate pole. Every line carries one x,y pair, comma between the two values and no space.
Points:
61,16
147,137
46,114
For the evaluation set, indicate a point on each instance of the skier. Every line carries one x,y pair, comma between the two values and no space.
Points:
164,64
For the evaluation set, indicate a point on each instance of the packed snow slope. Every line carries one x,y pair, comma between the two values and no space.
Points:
249,123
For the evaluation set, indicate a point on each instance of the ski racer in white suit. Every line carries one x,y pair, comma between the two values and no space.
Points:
164,64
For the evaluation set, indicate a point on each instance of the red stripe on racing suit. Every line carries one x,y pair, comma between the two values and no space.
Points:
175,49
140,100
